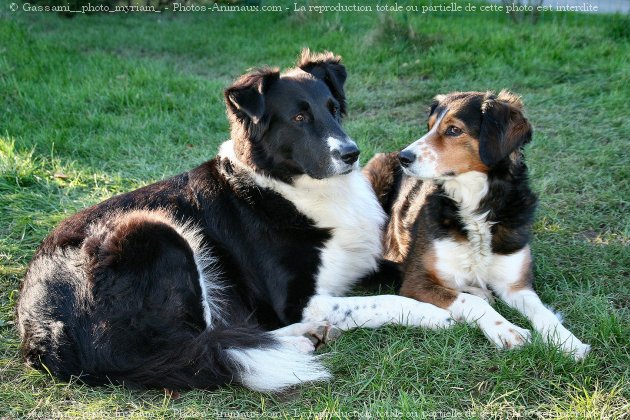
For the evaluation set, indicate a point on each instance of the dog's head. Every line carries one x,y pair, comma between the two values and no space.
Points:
468,131
289,124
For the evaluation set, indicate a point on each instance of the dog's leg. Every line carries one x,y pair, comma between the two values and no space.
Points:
468,308
476,310
511,280
527,302
351,312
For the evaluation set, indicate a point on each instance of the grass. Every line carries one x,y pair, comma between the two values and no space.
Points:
102,104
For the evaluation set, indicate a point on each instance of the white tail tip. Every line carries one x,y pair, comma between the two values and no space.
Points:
273,369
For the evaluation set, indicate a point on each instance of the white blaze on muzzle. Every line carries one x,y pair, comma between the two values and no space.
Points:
426,158
344,153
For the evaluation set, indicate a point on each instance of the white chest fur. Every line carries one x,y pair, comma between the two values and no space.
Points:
471,263
348,207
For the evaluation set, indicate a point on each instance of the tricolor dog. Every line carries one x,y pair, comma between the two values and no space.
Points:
461,213
227,272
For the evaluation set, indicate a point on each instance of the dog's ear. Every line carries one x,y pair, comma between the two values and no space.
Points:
327,67
434,104
245,99
504,128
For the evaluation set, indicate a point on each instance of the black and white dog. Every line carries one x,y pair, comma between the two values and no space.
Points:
226,272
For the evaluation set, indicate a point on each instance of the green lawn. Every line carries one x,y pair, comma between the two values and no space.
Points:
101,104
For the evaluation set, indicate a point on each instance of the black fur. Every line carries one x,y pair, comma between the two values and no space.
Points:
387,278
510,202
144,295
262,103
503,130
113,295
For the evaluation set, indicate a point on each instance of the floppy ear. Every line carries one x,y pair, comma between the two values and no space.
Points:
245,99
327,67
504,128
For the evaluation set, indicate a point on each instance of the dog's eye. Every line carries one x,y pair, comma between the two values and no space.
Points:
453,131
299,117
333,109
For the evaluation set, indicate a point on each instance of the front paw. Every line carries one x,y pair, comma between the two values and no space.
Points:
506,335
570,346
580,351
557,335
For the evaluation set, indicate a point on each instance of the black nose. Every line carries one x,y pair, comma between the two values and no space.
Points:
349,154
406,158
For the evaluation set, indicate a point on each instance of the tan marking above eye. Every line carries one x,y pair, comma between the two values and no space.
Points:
451,121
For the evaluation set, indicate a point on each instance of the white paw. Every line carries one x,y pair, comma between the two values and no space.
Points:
571,346
299,343
506,335
556,334
580,351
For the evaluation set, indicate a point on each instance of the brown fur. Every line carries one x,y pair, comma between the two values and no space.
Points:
465,232
421,279
404,213
427,288
381,172
455,155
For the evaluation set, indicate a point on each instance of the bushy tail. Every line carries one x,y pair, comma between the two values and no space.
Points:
247,356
